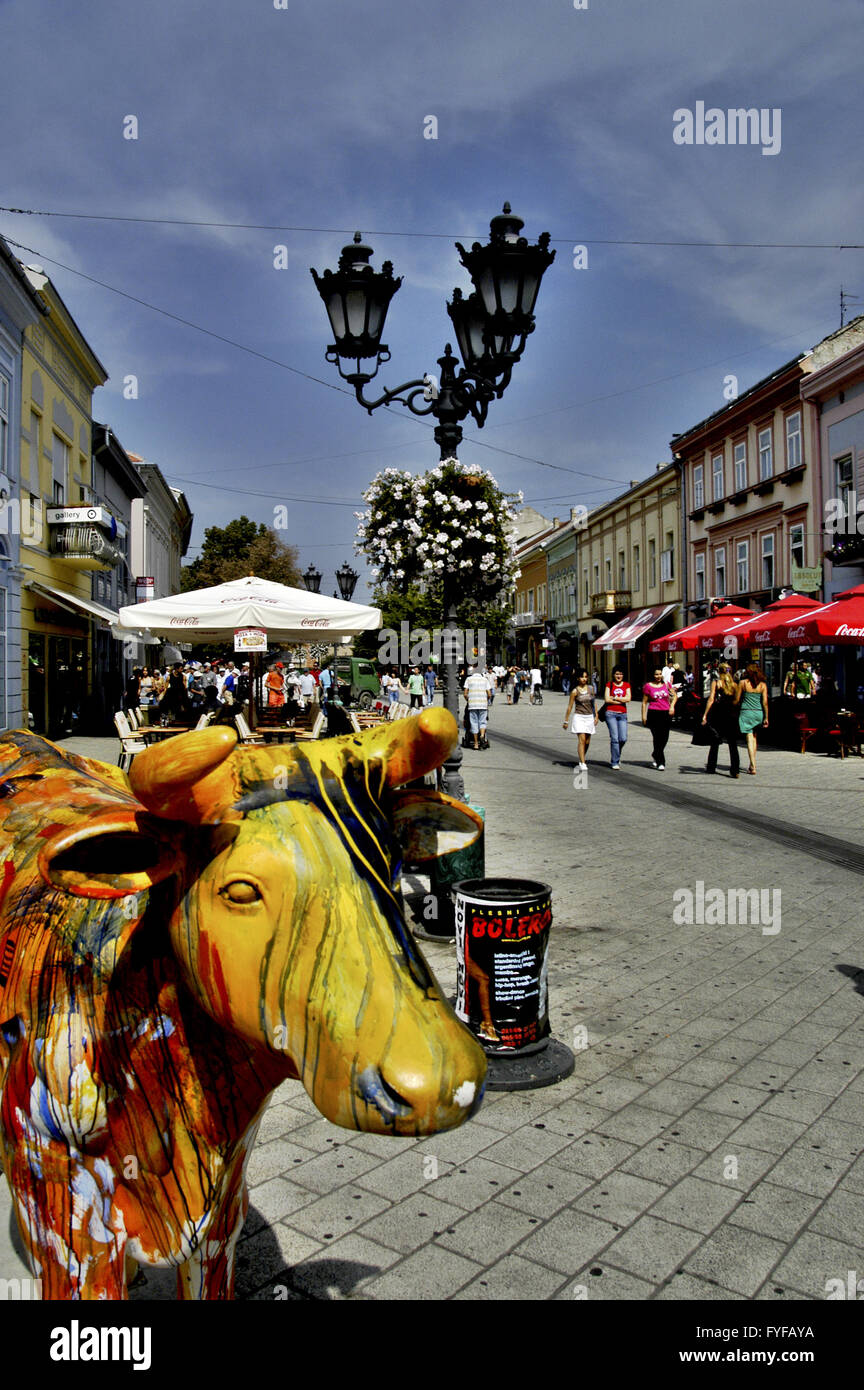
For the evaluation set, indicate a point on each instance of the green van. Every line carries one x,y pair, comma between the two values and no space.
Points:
361,676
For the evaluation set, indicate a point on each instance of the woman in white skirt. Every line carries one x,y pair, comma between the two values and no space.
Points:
584,717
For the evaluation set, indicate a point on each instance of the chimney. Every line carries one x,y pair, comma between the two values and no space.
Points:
555,521
634,482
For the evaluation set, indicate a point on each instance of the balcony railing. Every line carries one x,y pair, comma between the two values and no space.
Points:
611,601
529,619
85,547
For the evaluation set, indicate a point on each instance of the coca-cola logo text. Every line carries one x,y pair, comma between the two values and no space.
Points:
314,622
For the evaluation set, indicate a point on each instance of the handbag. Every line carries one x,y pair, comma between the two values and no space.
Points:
704,735
601,713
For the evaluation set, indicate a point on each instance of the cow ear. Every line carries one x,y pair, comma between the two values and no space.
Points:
110,856
428,825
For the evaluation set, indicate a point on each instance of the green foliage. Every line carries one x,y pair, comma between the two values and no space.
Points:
240,548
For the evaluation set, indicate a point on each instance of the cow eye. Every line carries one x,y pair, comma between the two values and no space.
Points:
241,892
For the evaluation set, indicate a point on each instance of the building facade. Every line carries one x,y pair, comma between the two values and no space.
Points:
71,535
631,566
116,485
834,388
20,307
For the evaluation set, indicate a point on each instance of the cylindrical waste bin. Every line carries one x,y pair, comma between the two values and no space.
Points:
502,944
502,937
443,874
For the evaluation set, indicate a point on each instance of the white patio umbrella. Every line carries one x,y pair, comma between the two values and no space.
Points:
285,614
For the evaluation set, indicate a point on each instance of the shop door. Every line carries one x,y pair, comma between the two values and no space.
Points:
36,681
66,684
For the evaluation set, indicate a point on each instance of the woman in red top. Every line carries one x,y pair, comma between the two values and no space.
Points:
617,694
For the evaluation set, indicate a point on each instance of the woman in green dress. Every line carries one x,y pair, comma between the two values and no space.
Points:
753,712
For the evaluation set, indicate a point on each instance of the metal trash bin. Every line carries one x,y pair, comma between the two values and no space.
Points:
443,874
502,941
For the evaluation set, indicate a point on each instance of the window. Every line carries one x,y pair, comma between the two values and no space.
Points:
637,581
742,565
667,559
652,564
596,579
585,585
767,562
4,424
796,544
608,572
793,439
58,498
35,450
60,465
766,454
700,576
720,571
529,602
622,570
698,486
741,466
717,476
843,478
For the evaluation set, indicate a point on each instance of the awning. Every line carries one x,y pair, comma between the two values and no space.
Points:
626,633
73,604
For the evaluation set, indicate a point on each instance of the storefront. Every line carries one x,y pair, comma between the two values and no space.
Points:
626,644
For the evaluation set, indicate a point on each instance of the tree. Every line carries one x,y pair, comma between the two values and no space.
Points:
240,548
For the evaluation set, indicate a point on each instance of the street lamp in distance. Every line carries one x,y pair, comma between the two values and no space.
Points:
312,580
346,578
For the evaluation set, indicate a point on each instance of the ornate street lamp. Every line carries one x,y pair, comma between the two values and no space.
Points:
491,328
347,578
312,580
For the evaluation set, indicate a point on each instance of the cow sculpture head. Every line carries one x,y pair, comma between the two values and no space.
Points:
287,922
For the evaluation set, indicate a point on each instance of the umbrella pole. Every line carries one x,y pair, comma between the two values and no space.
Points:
253,688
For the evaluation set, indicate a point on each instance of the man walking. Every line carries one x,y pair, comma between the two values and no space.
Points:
476,692
536,687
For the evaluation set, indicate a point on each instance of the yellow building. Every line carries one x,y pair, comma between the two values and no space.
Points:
631,568
64,535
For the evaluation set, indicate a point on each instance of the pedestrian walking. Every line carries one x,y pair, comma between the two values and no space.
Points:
535,686
429,683
753,709
617,694
721,716
658,705
415,688
476,694
581,714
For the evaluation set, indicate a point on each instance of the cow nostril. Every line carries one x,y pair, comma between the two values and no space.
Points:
372,1088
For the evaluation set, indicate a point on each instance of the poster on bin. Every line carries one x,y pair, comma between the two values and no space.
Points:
501,967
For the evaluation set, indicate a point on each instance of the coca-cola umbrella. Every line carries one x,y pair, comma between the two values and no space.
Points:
283,613
703,636
762,628
838,623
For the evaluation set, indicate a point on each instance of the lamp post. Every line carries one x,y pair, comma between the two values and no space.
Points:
346,578
491,326
312,580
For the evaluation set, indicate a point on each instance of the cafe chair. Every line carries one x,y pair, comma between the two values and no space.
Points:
130,743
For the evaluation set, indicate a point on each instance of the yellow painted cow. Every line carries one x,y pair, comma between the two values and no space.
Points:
176,944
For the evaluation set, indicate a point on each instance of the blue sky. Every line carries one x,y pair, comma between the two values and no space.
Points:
313,117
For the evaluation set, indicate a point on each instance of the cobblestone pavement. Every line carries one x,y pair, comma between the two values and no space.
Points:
708,1145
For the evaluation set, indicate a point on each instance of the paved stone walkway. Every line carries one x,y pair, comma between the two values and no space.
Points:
708,1144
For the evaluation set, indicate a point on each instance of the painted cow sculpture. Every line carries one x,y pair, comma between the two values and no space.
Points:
176,944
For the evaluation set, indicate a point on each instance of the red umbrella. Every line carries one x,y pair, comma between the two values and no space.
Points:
702,636
839,623
762,629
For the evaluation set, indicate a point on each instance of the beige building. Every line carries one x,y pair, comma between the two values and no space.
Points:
631,574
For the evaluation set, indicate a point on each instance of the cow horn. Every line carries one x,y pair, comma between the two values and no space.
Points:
411,747
186,778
